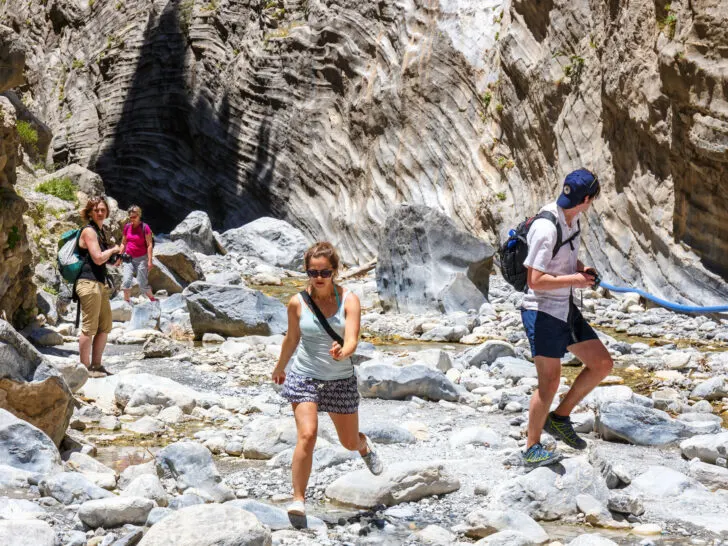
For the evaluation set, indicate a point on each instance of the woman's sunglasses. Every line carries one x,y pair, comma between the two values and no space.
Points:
323,273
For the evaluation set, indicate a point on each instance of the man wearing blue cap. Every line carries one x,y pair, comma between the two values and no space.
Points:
554,325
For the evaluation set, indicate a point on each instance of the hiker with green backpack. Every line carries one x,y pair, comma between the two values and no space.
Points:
139,244
540,258
92,285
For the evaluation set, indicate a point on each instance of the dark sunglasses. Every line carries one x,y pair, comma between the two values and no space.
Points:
323,273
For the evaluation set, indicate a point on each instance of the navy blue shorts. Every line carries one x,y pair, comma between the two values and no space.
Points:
550,336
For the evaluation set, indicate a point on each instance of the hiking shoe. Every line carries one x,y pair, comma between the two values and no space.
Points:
537,455
98,371
561,429
297,508
372,460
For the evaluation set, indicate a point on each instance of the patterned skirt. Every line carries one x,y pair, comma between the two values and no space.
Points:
336,396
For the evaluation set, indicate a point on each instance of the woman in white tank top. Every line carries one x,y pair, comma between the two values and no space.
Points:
321,377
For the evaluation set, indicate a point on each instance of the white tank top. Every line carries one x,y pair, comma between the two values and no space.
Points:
312,358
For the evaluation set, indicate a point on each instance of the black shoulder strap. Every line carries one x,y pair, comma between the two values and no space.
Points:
551,217
321,318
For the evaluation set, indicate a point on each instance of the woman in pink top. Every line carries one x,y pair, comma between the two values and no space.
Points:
138,243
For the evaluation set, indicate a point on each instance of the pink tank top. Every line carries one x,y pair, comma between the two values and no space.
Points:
136,245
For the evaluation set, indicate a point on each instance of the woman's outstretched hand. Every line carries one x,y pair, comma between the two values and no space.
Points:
278,376
336,351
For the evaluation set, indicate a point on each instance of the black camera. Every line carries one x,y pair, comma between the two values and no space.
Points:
123,257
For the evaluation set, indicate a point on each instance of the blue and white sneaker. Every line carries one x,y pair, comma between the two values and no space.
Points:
537,455
372,460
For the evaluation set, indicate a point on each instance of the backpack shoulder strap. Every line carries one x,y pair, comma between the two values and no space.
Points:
321,318
551,217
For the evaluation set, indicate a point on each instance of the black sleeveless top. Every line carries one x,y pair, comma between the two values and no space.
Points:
90,270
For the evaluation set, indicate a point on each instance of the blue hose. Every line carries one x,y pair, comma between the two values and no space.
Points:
667,304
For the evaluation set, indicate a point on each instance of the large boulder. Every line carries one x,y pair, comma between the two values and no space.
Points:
400,482
162,278
72,488
180,259
545,494
86,181
191,466
28,531
482,523
145,316
622,421
25,447
233,311
196,231
427,263
394,383
273,241
115,511
30,387
706,447
276,518
208,525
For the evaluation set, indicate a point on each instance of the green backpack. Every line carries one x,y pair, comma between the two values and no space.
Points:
69,262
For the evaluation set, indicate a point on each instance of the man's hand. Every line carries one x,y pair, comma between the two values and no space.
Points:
582,280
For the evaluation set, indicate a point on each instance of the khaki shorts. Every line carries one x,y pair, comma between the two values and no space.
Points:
95,306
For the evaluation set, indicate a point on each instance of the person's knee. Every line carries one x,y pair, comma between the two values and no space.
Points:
549,384
307,438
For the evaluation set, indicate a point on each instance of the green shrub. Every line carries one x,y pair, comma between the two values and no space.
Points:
28,135
49,289
63,188
13,237
77,63
501,196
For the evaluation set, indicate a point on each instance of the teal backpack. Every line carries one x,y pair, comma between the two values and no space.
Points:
69,262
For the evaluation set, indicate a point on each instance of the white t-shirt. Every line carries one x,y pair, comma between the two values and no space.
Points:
541,243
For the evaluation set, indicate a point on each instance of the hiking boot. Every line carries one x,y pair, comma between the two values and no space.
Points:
561,429
372,460
537,455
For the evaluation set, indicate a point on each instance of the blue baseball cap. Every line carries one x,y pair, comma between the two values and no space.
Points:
577,185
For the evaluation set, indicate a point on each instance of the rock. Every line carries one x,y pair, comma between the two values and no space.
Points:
208,525
421,251
121,311
384,433
196,232
22,532
460,294
711,476
137,390
25,447
547,495
513,368
481,523
172,415
74,373
234,311
660,482
596,513
266,279
71,488
625,504
481,436
592,539
602,395
400,482
115,511
277,518
434,534
270,438
212,338
45,337
324,456
132,472
173,303
647,529
162,278
160,347
436,359
46,304
145,426
85,180
638,425
272,241
445,333
19,509
708,448
392,383
157,514
191,465
180,260
145,316
30,387
98,473
714,388
15,478
487,353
